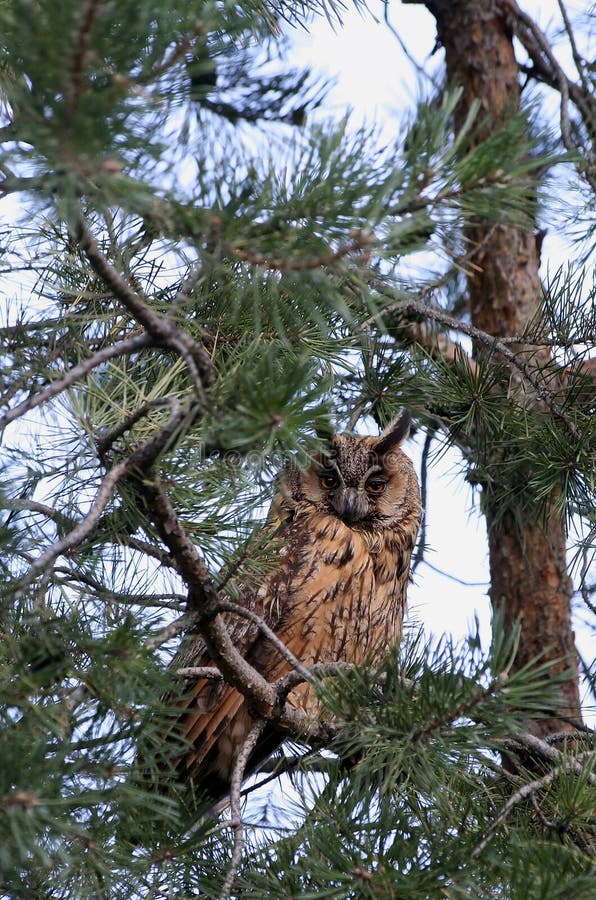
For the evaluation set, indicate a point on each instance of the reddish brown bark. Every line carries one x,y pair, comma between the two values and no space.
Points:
527,565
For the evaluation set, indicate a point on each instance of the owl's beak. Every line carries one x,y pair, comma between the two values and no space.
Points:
348,504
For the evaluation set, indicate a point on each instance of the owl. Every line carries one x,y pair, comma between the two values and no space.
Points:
346,526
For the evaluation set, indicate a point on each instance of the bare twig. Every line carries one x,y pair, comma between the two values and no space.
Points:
422,71
208,672
120,348
159,601
184,291
227,606
317,670
548,69
105,442
19,504
355,416
579,62
235,803
542,748
183,623
421,547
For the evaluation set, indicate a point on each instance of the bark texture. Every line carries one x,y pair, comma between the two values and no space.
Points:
527,566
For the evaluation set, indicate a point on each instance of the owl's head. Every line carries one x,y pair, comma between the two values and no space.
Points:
365,481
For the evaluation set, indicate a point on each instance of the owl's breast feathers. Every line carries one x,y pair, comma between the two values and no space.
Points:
338,593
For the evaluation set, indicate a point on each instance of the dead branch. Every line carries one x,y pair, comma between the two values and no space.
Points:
208,672
548,70
235,803
227,606
183,623
546,751
527,790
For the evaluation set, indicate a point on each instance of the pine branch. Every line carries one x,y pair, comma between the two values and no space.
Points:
163,330
533,376
120,348
527,790
82,43
140,457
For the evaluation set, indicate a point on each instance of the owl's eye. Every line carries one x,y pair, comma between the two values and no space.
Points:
329,481
375,486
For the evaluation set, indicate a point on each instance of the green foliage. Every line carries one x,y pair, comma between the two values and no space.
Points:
421,790
287,251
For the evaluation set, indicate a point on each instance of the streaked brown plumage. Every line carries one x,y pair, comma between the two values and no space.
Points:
338,593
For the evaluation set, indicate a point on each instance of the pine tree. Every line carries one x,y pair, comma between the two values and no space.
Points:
203,278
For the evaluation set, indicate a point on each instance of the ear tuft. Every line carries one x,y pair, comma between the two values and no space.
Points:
396,432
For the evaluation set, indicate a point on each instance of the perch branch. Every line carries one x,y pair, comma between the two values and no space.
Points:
204,601
271,636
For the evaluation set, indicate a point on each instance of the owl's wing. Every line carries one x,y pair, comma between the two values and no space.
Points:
214,719
208,707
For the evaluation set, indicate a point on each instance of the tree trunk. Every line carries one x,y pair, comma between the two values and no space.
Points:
527,566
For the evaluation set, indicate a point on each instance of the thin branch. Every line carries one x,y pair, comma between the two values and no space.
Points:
162,329
419,555
205,602
548,69
359,243
189,562
543,749
235,804
183,623
177,53
184,291
355,416
120,348
81,44
535,379
420,69
142,455
527,790
19,504
457,580
159,601
208,672
104,443
227,606
579,62
317,670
